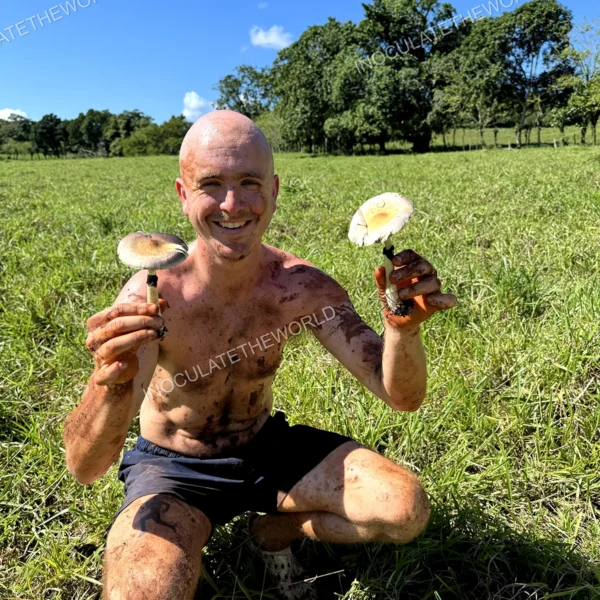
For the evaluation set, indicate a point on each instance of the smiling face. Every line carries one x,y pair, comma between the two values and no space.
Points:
227,186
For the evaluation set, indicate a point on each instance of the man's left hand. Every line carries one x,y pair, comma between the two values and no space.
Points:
416,280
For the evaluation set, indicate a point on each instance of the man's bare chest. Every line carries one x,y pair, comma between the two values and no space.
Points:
210,345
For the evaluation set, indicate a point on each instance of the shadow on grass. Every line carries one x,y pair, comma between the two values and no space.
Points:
463,554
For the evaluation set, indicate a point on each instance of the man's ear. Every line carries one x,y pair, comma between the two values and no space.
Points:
275,191
182,195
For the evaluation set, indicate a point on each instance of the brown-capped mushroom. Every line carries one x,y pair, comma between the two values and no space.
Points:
152,251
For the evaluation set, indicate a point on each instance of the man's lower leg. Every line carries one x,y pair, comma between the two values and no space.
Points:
277,531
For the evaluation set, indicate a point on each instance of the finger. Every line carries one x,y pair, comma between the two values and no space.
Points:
163,305
120,326
440,301
405,257
125,343
418,268
380,280
427,285
123,309
109,373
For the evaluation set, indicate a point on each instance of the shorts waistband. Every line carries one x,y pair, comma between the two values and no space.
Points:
144,445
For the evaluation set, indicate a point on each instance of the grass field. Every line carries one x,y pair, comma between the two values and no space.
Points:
507,443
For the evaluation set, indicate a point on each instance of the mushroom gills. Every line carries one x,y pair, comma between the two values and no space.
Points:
152,252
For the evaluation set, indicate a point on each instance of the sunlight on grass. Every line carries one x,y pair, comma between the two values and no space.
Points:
507,442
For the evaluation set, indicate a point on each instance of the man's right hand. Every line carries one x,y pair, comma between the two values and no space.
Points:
115,335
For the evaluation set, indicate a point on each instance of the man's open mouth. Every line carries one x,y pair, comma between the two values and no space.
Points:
231,224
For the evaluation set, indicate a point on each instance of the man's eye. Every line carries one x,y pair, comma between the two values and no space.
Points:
248,182
210,183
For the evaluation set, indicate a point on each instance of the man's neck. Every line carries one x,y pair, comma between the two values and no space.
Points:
229,280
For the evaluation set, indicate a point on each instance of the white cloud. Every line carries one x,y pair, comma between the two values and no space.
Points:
6,112
275,37
262,5
195,106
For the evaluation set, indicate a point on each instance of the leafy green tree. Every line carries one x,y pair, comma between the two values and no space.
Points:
122,126
303,76
403,33
74,134
271,124
584,80
13,147
145,141
92,129
534,36
477,76
247,92
49,135
171,134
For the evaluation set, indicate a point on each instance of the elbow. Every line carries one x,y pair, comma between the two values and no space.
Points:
82,476
79,472
406,403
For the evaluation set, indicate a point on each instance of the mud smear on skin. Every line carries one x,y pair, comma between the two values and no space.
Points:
274,268
255,395
289,298
269,313
225,417
350,323
373,353
315,278
267,369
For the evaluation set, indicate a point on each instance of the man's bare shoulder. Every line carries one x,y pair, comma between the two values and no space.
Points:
135,289
299,278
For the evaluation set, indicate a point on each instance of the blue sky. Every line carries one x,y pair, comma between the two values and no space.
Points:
152,55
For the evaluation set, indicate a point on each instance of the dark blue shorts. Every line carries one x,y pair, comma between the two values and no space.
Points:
249,479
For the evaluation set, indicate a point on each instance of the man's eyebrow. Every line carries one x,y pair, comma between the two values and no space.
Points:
211,175
203,176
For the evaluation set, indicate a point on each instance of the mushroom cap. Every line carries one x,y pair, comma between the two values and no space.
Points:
152,251
379,218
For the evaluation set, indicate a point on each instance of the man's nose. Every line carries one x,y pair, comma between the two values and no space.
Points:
232,203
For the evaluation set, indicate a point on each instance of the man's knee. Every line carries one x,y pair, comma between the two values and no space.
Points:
407,512
154,550
153,581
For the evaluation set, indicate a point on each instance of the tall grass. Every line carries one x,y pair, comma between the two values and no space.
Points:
507,443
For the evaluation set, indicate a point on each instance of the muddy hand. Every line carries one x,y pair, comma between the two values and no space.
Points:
416,280
115,335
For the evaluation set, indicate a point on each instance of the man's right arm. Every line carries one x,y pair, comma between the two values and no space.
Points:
121,340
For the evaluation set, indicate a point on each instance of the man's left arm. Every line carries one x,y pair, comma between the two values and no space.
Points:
394,368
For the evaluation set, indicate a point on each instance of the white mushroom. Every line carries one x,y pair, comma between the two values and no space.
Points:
376,221
152,252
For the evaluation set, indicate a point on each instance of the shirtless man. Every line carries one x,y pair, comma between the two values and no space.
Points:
209,447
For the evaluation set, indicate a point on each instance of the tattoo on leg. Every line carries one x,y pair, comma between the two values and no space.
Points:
152,510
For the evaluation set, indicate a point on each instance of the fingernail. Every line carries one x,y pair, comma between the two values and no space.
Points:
157,321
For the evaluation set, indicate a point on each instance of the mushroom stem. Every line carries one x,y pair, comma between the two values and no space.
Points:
391,291
152,296
151,287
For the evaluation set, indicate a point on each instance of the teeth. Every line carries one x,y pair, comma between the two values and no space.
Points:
232,225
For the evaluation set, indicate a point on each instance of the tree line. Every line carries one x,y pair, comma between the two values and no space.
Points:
411,69
414,68
95,133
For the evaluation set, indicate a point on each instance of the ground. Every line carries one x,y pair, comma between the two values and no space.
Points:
507,442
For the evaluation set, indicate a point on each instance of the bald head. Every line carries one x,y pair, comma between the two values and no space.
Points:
223,130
